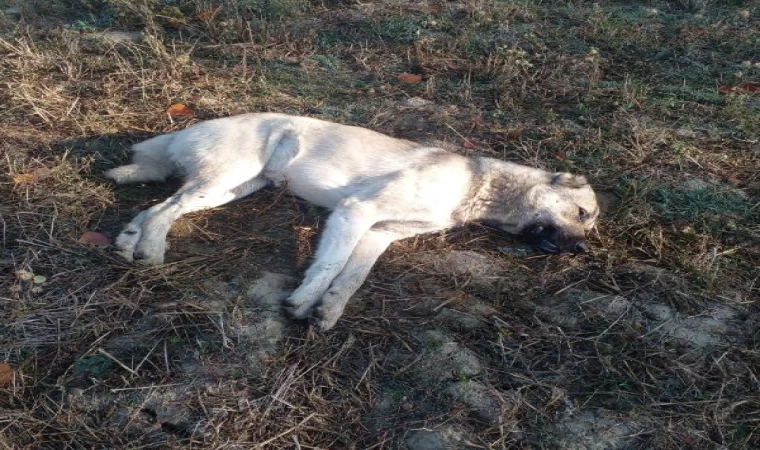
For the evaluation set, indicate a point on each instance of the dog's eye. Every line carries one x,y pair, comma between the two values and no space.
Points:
582,214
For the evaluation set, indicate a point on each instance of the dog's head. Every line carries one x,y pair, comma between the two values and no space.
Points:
553,214
559,213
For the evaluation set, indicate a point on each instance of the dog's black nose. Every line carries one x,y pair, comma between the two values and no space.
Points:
580,247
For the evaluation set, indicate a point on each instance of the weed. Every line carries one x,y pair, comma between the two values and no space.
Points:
96,365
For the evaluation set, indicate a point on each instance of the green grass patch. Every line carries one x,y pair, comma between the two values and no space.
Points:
699,204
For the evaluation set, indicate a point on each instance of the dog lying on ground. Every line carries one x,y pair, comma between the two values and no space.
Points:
380,189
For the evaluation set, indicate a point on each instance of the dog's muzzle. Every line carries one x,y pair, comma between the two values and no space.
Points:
550,240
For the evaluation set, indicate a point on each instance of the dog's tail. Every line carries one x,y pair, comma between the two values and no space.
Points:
150,162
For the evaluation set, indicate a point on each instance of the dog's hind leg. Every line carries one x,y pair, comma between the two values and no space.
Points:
144,239
150,162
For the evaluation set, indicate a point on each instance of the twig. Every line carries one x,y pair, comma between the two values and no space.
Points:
114,359
289,430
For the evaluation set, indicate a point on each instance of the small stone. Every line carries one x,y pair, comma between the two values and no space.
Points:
24,275
417,102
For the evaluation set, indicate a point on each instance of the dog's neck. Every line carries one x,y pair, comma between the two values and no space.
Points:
498,190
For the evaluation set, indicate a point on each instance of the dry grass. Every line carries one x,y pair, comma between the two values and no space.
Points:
107,355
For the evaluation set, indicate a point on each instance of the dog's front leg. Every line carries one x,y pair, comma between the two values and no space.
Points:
350,279
364,257
345,227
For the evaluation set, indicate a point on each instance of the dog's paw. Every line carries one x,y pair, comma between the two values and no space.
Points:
327,313
120,174
126,242
324,317
297,309
301,302
149,253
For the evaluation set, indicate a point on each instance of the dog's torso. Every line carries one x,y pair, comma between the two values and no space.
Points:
327,163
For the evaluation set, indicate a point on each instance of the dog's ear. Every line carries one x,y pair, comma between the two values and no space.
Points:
569,180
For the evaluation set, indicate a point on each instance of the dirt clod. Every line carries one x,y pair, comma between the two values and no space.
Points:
593,429
444,359
478,397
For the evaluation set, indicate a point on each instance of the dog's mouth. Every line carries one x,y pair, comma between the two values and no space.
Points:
548,246
550,239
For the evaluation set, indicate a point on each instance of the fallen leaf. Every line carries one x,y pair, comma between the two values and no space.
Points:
94,238
39,279
205,15
733,180
6,374
468,144
409,78
560,155
180,110
22,178
740,88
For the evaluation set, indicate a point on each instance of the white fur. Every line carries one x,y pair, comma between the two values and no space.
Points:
380,189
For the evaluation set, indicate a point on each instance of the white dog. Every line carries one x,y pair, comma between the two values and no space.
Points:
380,189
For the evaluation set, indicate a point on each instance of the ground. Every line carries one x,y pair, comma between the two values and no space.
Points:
459,340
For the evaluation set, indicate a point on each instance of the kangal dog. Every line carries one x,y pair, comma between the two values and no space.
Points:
379,189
